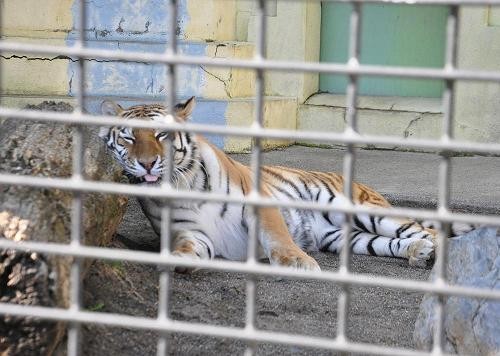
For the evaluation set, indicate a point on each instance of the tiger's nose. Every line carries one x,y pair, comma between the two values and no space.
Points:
147,165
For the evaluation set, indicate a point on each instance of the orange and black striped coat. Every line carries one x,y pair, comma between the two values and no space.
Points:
205,230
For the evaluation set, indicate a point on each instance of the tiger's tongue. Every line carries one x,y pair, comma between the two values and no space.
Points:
150,178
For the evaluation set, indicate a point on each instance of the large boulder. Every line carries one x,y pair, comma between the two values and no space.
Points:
472,325
37,149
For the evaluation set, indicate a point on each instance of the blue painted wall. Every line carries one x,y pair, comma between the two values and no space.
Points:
138,25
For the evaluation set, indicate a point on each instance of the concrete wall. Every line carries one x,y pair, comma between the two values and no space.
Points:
404,117
477,109
477,104
211,28
226,29
294,35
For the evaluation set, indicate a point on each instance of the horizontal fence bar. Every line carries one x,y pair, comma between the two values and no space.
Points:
175,326
288,66
410,2
241,131
159,192
251,268
255,269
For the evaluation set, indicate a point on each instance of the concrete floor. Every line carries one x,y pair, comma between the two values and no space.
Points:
376,315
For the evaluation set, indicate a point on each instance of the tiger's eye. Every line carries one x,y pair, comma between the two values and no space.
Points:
161,135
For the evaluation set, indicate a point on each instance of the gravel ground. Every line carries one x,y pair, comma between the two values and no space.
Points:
376,315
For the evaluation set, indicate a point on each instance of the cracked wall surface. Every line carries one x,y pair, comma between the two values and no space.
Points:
112,24
221,29
225,95
390,116
29,76
229,82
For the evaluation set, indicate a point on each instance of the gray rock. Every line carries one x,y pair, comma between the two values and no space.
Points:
28,214
472,326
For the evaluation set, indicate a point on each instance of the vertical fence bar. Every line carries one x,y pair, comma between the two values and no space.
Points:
349,160
251,284
166,211
164,279
2,7
77,204
445,176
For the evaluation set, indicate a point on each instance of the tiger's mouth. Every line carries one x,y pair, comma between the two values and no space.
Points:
148,179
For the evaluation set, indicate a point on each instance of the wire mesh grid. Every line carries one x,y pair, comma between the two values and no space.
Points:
75,316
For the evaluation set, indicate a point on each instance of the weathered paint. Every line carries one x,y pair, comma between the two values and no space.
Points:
211,20
52,22
132,20
27,18
135,25
113,25
132,79
139,25
146,79
229,82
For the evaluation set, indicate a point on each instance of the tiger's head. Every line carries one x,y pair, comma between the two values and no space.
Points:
141,152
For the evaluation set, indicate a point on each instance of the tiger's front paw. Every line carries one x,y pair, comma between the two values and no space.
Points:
296,259
420,253
185,270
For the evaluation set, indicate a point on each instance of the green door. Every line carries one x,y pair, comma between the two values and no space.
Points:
397,35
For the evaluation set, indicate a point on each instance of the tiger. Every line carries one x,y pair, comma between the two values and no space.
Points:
206,230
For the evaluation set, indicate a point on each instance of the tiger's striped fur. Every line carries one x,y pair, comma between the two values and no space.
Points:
205,230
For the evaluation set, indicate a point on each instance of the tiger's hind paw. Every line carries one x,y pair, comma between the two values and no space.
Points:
421,253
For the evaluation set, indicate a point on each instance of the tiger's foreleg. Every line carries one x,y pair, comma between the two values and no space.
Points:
278,244
194,245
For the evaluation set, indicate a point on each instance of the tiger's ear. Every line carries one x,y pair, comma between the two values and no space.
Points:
111,108
184,110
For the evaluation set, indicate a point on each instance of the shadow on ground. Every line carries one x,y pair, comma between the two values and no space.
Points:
376,315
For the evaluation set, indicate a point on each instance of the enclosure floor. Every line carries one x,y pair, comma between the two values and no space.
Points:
376,315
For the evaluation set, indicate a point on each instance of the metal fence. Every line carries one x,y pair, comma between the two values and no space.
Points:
75,316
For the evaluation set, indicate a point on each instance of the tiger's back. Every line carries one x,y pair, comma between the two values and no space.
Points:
310,227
